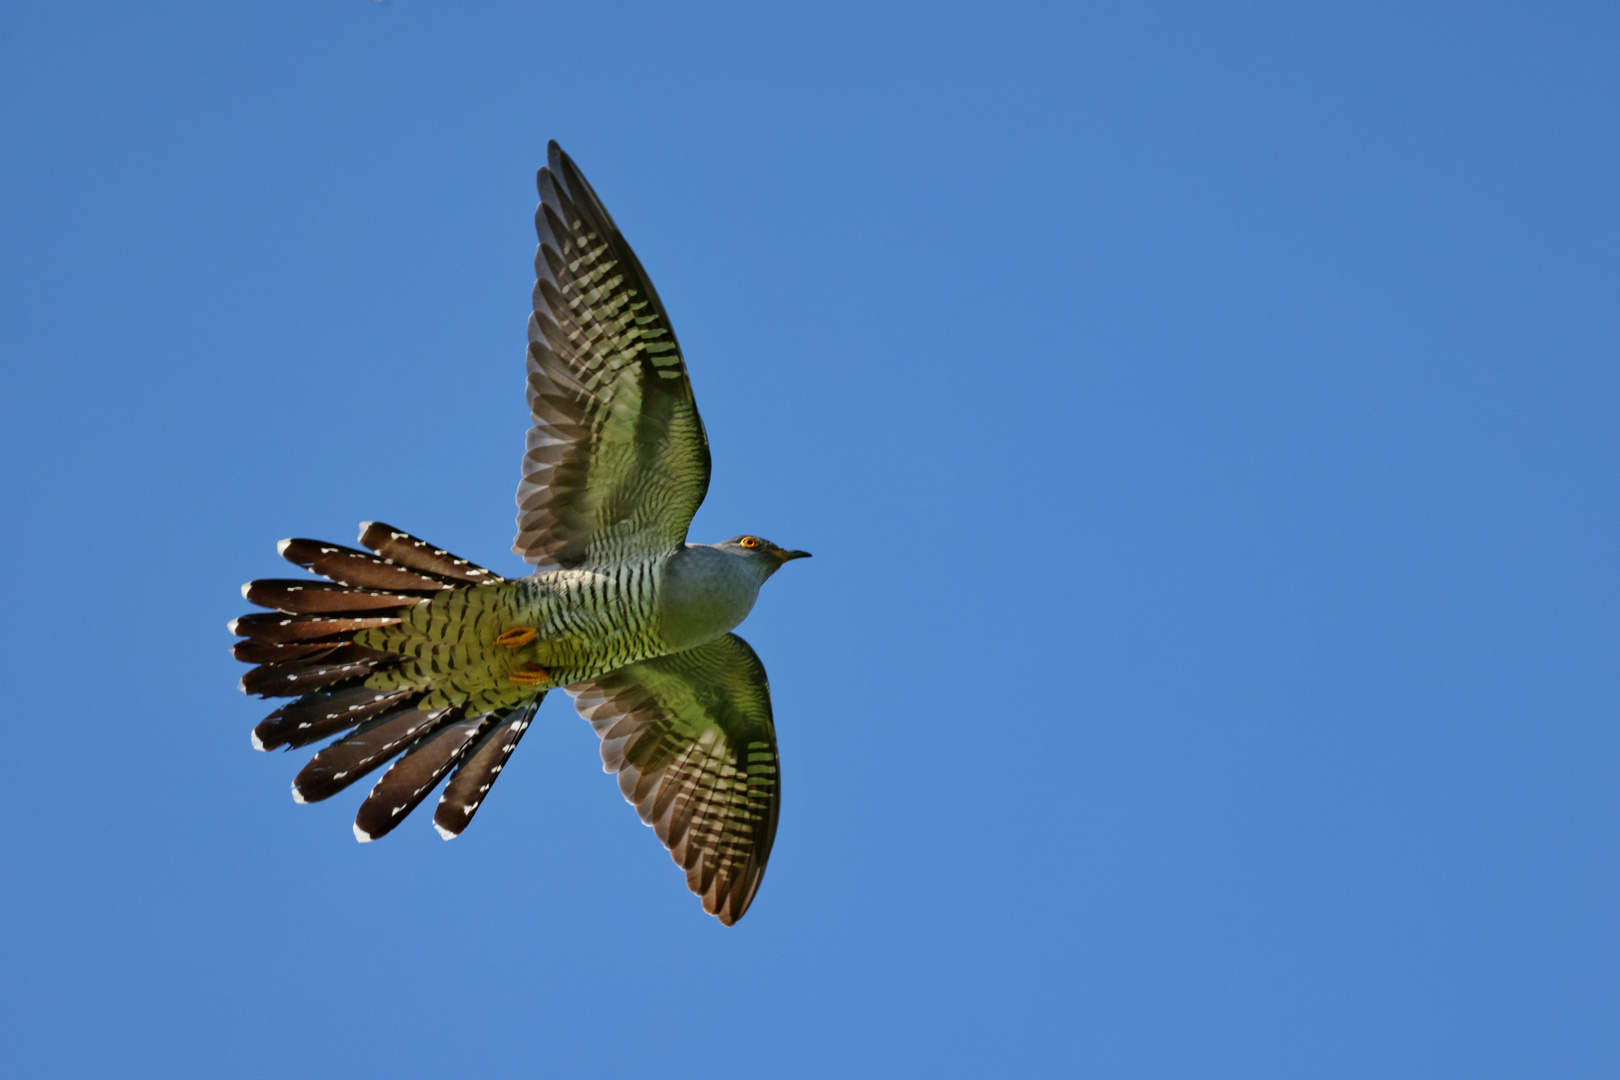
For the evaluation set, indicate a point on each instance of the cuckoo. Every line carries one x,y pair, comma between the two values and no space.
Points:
407,656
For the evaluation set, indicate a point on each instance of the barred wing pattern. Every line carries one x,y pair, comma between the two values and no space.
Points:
691,737
617,461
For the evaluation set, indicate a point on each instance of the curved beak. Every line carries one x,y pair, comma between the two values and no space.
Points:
784,556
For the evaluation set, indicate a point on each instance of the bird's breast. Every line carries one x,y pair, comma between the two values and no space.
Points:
703,593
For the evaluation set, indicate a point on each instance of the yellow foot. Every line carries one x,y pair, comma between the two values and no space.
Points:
529,674
517,637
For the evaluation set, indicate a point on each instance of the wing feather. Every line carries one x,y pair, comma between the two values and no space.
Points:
616,462
691,738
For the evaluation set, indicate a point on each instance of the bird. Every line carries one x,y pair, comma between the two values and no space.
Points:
405,655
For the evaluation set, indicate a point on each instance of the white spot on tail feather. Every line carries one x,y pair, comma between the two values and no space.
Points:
443,832
258,743
361,834
298,796
231,626
282,546
245,589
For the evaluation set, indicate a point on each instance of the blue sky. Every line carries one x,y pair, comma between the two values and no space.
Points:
1203,416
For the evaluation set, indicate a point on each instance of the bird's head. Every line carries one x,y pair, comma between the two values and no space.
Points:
761,552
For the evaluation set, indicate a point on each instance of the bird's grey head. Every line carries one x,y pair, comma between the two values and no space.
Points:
760,553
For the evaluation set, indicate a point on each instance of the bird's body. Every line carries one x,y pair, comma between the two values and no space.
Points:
408,652
587,622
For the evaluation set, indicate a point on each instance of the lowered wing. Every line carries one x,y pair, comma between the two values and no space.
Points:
691,737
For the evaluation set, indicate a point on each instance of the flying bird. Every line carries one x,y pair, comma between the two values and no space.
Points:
413,656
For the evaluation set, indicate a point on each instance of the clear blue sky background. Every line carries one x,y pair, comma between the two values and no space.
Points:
1203,416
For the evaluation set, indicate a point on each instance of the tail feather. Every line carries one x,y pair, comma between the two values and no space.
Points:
357,568
414,554
306,676
261,652
304,597
408,780
479,770
361,751
278,627
316,716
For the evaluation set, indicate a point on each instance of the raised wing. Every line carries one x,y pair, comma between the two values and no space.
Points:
617,460
691,738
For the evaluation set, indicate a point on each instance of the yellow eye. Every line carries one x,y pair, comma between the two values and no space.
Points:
749,541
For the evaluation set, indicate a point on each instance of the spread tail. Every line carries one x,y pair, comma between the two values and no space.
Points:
389,649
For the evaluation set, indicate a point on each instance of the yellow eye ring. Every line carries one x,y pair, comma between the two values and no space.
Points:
749,541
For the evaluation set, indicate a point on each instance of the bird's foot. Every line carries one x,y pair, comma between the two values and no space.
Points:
517,637
529,675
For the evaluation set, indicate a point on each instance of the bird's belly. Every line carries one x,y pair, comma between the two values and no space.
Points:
589,624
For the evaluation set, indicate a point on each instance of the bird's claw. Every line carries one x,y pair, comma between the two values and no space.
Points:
529,675
517,637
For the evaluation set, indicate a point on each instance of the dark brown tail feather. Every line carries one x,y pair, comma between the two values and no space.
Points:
315,716
361,751
264,652
479,769
303,597
345,662
357,568
408,780
407,551
277,626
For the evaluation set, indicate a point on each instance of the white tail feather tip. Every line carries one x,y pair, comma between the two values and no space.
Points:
281,546
361,834
443,832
